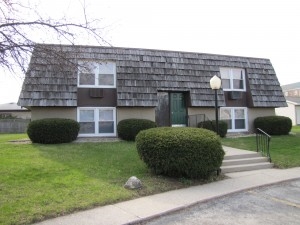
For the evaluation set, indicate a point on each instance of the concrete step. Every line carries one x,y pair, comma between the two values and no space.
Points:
237,160
246,167
242,161
243,156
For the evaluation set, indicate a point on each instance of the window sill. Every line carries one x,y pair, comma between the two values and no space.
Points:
93,86
97,135
238,90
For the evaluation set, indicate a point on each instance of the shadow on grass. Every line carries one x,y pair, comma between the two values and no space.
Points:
108,161
46,181
113,163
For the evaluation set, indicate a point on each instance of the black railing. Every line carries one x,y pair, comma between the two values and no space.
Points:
263,143
194,120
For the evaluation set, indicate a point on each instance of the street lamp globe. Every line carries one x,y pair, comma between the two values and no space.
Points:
215,82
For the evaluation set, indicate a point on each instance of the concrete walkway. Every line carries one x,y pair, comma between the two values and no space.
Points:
137,210
235,151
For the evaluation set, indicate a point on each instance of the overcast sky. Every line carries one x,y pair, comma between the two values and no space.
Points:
254,28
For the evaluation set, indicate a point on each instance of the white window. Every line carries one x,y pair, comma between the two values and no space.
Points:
236,118
97,74
97,121
233,79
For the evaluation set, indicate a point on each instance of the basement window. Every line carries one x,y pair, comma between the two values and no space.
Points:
233,79
97,74
100,121
235,117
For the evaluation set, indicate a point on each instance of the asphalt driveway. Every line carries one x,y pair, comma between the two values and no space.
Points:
276,204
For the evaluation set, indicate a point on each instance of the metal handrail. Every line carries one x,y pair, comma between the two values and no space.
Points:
263,143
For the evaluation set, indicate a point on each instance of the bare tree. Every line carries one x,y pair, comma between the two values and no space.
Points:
18,32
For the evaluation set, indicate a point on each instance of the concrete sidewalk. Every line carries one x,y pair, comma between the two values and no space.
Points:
137,210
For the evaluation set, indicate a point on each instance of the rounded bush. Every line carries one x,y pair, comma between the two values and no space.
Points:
274,125
53,130
180,151
211,125
207,124
129,128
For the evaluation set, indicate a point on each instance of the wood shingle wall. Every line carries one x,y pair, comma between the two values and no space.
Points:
141,73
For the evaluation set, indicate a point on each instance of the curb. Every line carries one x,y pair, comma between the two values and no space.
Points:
148,219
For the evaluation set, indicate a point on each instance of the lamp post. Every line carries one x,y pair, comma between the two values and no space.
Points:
215,84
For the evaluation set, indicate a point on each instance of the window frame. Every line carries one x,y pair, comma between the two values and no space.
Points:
96,71
97,120
232,114
231,79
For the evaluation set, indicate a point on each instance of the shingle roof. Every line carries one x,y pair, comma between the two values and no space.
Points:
141,73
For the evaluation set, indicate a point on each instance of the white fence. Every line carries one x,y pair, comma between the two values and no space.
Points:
13,125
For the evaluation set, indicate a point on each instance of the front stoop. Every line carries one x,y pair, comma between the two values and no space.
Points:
245,162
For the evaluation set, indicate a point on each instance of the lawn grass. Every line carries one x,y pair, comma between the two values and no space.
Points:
43,181
284,150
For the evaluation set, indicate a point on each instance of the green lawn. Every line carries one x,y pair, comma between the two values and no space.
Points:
284,150
42,181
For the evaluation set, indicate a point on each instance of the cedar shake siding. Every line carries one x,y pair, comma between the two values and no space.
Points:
164,86
142,73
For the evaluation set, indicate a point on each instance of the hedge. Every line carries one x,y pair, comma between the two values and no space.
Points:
181,151
129,128
274,125
211,125
53,130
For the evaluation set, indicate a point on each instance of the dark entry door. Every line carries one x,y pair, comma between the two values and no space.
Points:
178,109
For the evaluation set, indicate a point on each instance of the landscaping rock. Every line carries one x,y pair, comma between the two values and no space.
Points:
133,183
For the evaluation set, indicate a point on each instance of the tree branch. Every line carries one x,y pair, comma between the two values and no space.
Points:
18,35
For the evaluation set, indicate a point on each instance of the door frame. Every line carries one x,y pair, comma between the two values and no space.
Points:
185,108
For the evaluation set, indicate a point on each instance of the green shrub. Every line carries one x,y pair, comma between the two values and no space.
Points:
207,124
53,130
274,125
129,128
211,125
180,151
